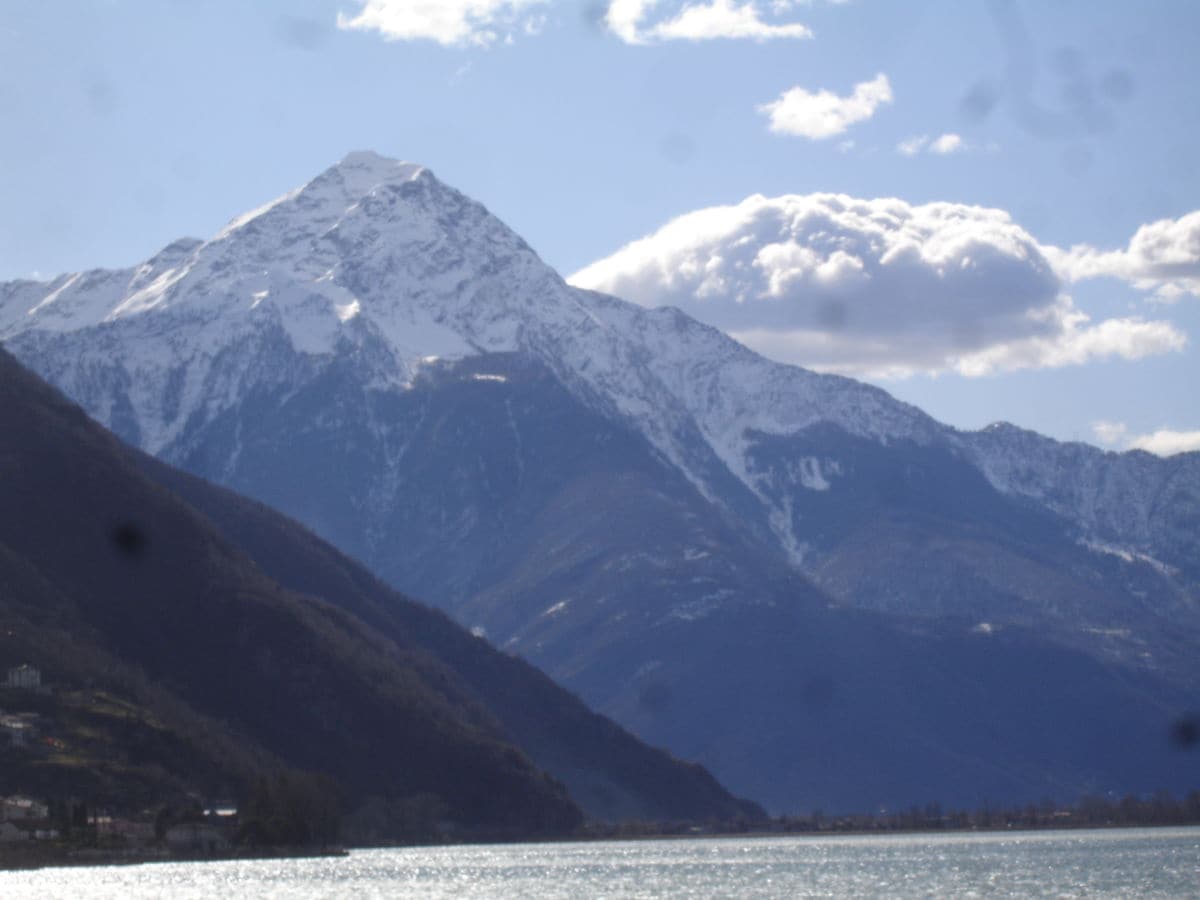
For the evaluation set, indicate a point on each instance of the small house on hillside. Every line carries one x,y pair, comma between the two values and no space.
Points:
10,833
16,809
24,676
19,728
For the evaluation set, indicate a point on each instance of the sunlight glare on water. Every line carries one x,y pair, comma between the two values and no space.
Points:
1114,863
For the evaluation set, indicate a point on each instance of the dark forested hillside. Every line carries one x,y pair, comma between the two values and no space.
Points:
109,582
610,773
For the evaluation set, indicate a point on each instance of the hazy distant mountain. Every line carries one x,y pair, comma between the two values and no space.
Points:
252,645
820,592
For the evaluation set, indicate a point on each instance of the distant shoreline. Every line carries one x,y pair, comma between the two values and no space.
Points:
884,832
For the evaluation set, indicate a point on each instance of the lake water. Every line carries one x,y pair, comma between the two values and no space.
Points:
1116,863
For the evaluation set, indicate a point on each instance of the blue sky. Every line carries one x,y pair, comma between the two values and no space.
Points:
995,161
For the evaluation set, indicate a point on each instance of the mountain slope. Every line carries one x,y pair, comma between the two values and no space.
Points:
96,541
608,772
379,357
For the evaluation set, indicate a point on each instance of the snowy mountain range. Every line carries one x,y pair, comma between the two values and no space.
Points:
615,491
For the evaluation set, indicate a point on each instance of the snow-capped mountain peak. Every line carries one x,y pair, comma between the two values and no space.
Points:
378,258
334,192
371,251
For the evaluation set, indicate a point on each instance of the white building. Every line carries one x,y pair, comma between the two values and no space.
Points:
24,677
17,808
19,728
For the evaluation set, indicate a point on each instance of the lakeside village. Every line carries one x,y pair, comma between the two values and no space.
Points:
36,828
59,825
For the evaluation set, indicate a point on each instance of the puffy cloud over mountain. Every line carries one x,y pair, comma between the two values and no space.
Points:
1163,442
1163,257
872,286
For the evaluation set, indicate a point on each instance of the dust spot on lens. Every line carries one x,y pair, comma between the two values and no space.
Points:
130,540
1185,733
677,148
979,102
832,315
595,16
1117,84
302,33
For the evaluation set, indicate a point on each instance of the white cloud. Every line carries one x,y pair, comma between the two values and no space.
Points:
824,114
947,143
464,23
943,146
1162,257
1164,442
1076,342
913,145
699,21
1110,434
876,287
451,23
624,19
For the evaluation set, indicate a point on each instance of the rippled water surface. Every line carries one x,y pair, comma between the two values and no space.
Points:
1116,863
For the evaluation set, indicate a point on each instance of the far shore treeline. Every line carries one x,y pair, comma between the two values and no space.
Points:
1161,809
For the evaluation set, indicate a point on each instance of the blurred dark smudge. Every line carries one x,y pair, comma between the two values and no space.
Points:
677,148
102,97
1185,732
1117,84
302,33
979,102
832,315
1084,102
130,540
594,16
1068,61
